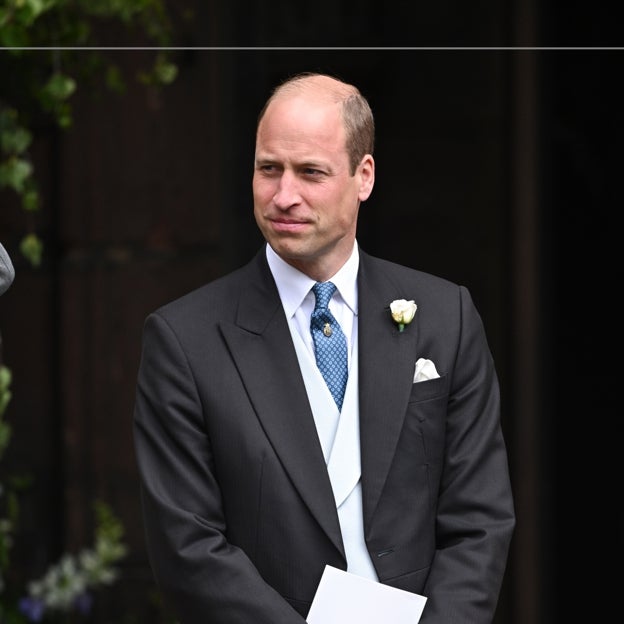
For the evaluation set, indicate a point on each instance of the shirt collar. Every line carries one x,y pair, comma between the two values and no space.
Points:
293,285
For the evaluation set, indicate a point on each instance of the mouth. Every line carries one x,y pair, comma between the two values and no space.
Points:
287,226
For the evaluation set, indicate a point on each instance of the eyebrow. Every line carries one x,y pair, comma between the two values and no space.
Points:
298,164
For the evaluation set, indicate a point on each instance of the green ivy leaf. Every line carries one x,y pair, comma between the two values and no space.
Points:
63,115
13,35
5,388
25,12
165,72
37,7
114,79
15,140
5,428
54,97
59,87
30,200
14,172
5,399
32,249
5,378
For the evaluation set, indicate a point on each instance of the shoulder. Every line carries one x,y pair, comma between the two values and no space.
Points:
439,300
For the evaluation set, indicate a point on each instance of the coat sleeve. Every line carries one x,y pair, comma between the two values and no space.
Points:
201,576
475,515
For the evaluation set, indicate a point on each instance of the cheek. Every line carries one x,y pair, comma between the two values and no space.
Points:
346,212
261,185
263,190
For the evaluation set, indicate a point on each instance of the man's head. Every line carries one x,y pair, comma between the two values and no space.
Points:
357,116
313,167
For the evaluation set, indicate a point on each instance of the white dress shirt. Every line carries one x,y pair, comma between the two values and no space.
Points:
295,290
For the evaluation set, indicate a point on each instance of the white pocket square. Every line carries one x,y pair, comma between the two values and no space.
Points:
425,369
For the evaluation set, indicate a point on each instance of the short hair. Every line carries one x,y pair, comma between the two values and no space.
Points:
357,115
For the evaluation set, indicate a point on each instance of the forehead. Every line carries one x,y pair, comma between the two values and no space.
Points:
299,122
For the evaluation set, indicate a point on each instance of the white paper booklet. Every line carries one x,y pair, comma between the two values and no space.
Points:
343,597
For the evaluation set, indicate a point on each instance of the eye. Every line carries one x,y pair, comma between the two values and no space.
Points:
312,172
267,168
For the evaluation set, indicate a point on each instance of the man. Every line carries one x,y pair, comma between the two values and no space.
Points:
254,477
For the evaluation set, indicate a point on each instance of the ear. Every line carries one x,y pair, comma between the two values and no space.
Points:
366,173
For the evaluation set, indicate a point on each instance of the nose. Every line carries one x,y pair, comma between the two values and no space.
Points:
287,192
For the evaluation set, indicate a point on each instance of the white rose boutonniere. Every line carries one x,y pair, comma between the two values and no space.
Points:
403,312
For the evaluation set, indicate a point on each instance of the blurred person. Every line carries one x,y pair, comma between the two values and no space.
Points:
7,272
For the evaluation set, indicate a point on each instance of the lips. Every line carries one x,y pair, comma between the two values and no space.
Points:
288,225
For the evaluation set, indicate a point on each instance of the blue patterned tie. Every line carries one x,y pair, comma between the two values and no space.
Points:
330,345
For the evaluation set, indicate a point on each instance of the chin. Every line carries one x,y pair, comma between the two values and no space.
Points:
286,251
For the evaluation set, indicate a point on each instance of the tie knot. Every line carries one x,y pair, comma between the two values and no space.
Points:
323,292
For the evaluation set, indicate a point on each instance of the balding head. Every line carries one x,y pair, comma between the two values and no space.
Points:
357,116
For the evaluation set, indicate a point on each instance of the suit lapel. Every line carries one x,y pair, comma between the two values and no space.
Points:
387,359
261,345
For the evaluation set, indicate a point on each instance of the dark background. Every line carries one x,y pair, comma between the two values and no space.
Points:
499,138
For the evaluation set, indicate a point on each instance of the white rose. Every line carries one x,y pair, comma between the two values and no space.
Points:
402,312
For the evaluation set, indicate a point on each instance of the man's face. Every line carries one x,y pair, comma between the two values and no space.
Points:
305,201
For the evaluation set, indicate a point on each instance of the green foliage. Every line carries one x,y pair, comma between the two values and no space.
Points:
50,51
68,584
71,23
8,490
5,397
32,248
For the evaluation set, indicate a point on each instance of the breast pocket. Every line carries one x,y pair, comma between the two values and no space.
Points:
429,390
425,421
